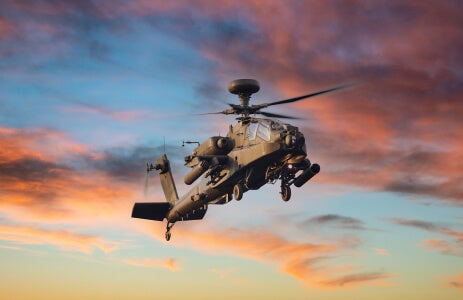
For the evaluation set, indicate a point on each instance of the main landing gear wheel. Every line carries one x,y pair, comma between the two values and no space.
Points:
285,193
238,192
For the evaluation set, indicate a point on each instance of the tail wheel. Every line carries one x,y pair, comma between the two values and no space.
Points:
238,192
285,193
168,228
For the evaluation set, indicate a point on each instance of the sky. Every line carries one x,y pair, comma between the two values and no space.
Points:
90,90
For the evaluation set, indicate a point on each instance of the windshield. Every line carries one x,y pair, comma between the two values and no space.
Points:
263,131
252,131
260,129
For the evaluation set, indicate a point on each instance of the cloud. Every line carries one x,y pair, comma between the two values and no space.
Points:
357,278
82,182
397,132
42,178
168,263
63,239
457,282
309,262
336,221
5,28
417,224
454,246
118,115
443,246
381,251
129,163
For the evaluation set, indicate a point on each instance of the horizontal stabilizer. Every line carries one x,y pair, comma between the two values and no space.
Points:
151,211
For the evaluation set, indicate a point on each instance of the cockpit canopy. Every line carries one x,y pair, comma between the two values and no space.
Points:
263,129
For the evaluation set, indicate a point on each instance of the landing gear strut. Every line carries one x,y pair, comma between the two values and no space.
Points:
168,228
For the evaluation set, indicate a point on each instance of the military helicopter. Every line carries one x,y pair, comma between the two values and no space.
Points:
256,151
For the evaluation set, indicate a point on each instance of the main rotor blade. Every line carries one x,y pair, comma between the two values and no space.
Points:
211,113
272,115
224,112
263,105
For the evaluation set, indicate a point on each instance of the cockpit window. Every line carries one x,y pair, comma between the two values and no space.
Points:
263,131
252,131
277,126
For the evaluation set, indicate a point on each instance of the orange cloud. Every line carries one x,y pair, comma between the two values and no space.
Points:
443,246
63,239
168,263
457,282
308,262
380,251
357,278
41,179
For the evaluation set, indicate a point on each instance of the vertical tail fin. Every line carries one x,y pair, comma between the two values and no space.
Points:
167,181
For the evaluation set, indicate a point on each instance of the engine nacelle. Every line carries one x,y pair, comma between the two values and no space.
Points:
216,145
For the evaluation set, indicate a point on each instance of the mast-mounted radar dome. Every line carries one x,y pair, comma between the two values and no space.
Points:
243,86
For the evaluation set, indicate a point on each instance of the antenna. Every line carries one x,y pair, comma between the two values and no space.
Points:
189,142
164,144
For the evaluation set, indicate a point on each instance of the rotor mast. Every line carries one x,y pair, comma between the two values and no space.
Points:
244,99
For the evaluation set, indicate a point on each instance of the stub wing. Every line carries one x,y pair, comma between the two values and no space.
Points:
151,211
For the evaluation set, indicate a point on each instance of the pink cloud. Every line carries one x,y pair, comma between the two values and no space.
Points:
376,135
5,28
443,246
448,247
122,116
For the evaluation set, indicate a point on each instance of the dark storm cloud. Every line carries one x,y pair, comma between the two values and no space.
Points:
31,176
336,221
43,177
129,164
29,169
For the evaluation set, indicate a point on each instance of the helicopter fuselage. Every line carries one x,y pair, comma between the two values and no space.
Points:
264,151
